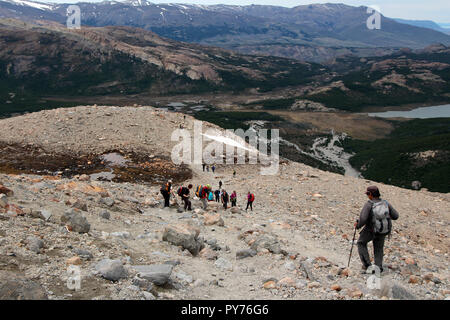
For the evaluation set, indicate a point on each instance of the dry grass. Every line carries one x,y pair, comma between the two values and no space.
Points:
358,126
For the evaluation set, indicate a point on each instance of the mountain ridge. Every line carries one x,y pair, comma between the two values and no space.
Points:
308,32
47,59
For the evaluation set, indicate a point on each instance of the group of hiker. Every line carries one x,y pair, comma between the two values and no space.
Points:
205,166
213,169
375,217
206,194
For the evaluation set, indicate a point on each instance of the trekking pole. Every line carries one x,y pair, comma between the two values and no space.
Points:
354,234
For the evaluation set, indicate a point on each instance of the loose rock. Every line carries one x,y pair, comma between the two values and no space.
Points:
111,269
158,274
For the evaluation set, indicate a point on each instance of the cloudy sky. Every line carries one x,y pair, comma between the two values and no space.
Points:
436,10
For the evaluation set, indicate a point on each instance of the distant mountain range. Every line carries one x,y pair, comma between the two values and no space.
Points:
50,59
45,59
425,24
316,32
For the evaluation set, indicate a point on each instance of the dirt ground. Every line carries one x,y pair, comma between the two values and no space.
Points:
358,126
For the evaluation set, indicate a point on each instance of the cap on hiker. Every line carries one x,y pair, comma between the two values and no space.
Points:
373,190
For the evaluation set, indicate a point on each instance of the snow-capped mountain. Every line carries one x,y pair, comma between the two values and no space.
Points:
315,32
137,3
32,4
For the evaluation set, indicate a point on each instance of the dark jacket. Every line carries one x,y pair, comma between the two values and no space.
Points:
165,190
185,193
365,217
225,197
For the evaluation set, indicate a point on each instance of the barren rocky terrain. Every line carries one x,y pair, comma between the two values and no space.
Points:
293,245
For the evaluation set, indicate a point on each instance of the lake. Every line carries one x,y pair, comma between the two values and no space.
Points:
419,113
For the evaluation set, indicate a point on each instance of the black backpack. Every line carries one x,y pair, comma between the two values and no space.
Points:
225,197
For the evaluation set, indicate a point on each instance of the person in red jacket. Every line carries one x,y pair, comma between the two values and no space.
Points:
233,199
204,192
250,199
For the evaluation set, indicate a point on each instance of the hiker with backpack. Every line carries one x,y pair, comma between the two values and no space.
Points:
217,194
375,217
183,192
210,196
250,199
225,199
233,199
203,193
165,191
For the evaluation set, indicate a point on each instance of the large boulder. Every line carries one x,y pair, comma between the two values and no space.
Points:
3,200
107,201
214,205
223,264
21,289
399,292
84,254
42,214
112,270
81,205
75,221
416,185
144,284
185,236
268,242
157,274
208,254
246,253
6,191
105,214
235,210
215,219
306,269
35,244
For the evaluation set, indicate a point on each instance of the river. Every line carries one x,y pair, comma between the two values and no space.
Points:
327,149
324,149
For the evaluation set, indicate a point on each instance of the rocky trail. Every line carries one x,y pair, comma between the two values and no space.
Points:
293,245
